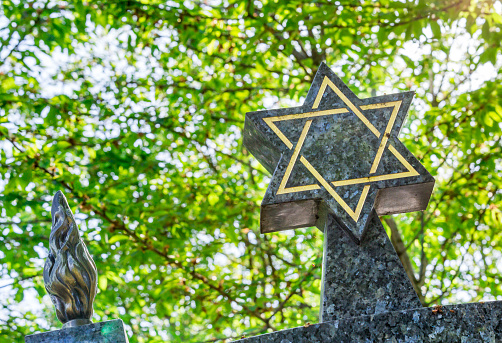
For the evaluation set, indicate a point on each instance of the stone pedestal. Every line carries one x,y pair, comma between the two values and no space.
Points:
103,332
468,323
362,279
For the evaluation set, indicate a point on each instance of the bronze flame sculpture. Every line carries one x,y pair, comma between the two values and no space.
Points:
70,275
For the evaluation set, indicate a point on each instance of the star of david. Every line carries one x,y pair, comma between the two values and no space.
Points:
336,152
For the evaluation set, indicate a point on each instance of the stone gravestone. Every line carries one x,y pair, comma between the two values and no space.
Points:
70,278
338,164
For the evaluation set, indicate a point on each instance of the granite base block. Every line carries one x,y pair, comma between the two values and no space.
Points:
467,323
111,331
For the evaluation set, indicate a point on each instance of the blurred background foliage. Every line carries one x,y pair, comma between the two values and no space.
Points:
135,109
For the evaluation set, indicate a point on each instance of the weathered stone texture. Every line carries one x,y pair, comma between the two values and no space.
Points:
468,323
103,332
362,279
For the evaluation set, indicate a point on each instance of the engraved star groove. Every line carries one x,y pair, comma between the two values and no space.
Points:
330,186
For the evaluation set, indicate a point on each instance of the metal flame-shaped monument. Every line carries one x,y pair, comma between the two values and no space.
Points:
70,275
70,278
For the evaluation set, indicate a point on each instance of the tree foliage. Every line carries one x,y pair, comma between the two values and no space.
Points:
135,109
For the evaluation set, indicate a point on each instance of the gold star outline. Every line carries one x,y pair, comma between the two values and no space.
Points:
330,187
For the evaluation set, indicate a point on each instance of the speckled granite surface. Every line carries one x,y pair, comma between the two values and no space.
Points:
338,147
111,331
362,279
468,323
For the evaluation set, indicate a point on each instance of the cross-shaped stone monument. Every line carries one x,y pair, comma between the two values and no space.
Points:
338,164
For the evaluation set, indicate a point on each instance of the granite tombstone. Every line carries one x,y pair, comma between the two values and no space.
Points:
337,164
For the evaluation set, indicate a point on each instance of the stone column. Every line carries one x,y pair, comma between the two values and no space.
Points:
362,279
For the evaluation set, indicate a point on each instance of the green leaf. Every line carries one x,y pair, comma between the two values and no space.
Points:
117,238
213,199
102,282
63,144
211,48
436,29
